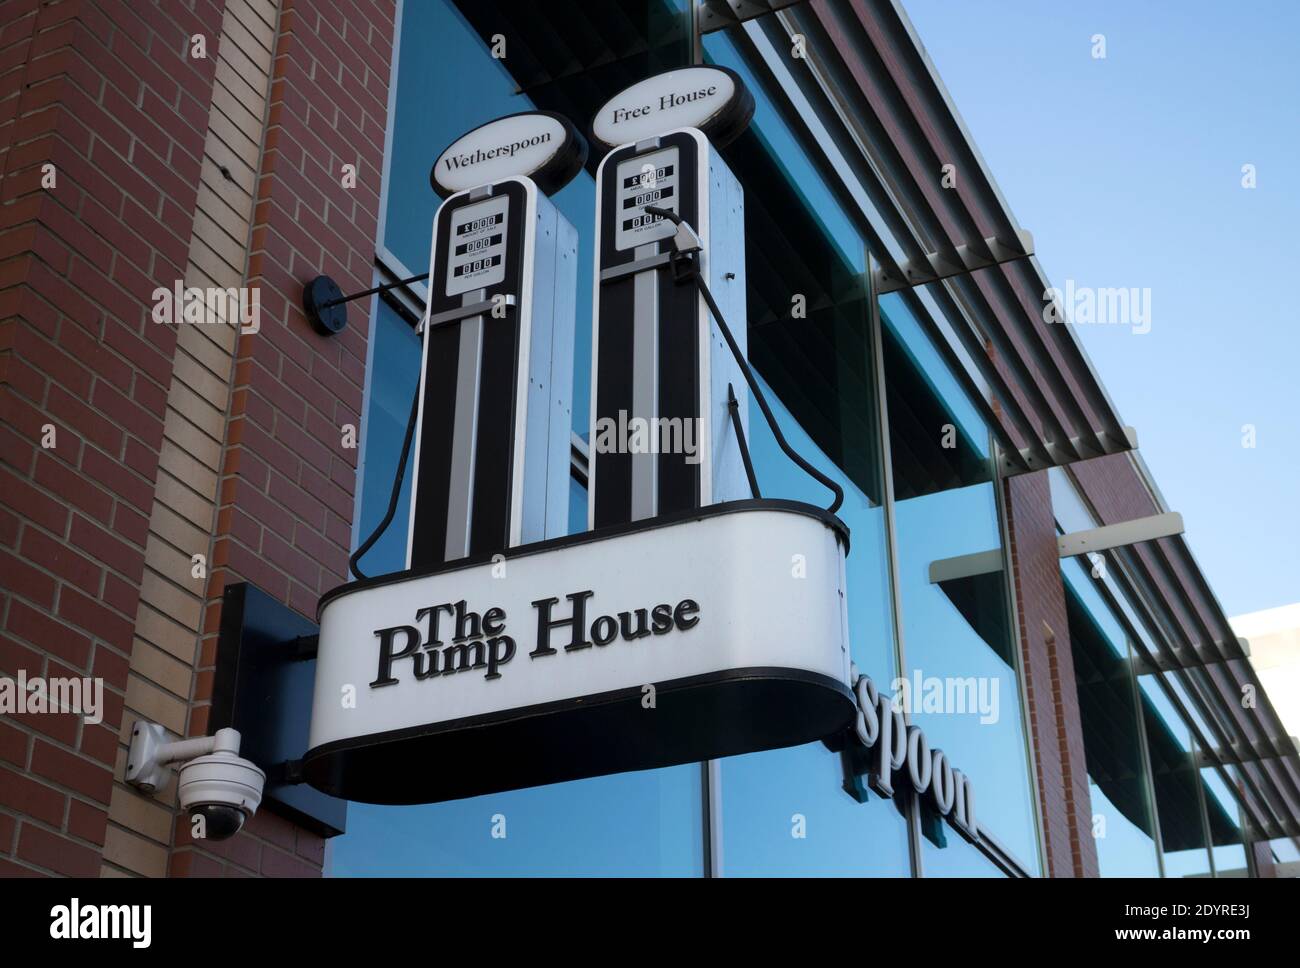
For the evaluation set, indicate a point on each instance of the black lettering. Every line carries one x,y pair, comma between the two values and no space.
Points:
577,621
496,657
463,618
432,610
625,624
420,658
384,676
604,629
459,654
661,619
682,614
494,621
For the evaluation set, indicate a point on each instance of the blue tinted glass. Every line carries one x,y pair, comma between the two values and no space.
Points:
780,144
1224,819
577,507
958,637
445,89
388,408
871,631
1177,783
807,307
1117,774
637,823
785,811
939,382
956,858
645,824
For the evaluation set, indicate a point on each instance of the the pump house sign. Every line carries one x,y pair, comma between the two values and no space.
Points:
624,649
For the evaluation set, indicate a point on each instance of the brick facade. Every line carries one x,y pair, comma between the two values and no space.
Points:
287,482
128,447
93,497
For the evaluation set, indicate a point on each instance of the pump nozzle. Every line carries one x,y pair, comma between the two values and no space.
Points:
684,239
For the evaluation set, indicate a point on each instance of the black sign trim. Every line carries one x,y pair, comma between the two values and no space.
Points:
714,715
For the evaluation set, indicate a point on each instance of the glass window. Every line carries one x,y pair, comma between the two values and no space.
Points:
958,637
1122,824
1285,852
647,823
804,263
395,353
1177,784
952,856
786,811
1224,817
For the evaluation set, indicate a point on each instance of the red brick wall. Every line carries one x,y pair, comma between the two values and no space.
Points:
286,494
107,93
1049,678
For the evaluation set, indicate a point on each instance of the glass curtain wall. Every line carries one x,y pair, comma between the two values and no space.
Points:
959,641
783,812
448,81
1149,793
788,811
1123,827
803,246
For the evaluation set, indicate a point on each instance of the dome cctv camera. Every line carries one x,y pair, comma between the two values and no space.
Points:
215,783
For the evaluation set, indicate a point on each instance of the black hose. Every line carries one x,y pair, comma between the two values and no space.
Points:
397,489
734,406
688,258
790,452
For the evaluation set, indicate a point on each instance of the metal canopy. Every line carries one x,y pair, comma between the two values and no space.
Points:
866,96
1119,535
869,107
718,14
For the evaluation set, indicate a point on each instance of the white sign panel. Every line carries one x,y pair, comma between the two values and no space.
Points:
669,643
713,99
543,146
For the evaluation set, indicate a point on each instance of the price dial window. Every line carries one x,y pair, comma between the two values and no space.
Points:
645,180
476,247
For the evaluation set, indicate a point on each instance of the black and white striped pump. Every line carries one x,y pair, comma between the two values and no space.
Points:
662,438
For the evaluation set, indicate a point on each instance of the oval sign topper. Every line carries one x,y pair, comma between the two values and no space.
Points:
713,99
544,146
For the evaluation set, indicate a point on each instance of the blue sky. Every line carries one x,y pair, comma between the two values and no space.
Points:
1128,172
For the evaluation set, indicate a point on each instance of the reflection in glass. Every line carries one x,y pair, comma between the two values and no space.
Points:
396,352
1122,823
1224,818
646,823
957,632
1177,784
808,332
786,811
956,858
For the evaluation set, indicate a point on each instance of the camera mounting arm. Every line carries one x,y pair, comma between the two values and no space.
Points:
150,753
